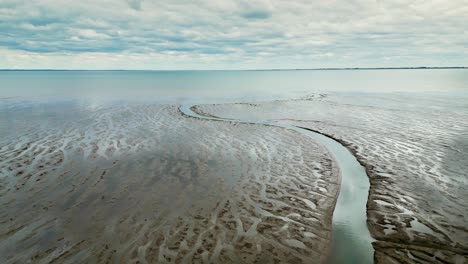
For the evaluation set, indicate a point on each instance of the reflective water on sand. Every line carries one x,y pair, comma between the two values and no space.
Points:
351,238
86,158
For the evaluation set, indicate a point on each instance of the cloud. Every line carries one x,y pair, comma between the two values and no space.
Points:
257,14
135,4
256,9
232,34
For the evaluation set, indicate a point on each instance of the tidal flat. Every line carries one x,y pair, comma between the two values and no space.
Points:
414,148
141,183
99,173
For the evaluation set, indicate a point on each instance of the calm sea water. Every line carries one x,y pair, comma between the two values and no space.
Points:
179,86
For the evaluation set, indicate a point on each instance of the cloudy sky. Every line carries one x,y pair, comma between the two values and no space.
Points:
238,34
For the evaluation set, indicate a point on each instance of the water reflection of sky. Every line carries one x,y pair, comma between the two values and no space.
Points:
183,86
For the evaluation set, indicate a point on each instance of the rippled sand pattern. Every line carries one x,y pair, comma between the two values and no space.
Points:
140,183
415,150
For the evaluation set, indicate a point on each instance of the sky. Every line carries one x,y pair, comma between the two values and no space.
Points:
239,34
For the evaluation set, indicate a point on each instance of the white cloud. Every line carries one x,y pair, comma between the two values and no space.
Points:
231,34
89,34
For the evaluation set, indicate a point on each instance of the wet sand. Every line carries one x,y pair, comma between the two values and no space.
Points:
351,240
414,150
140,183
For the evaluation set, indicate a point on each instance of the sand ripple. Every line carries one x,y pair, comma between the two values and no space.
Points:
139,183
415,150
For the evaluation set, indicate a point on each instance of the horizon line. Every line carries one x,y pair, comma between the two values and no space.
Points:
272,69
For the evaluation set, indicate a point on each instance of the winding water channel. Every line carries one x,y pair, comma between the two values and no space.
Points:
352,242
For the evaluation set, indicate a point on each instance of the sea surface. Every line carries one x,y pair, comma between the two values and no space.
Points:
222,86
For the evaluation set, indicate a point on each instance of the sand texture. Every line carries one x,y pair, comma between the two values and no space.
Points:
415,150
140,183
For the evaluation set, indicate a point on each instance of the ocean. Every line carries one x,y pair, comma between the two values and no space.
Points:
220,86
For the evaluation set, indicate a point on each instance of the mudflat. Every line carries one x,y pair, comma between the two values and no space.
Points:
414,148
141,183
